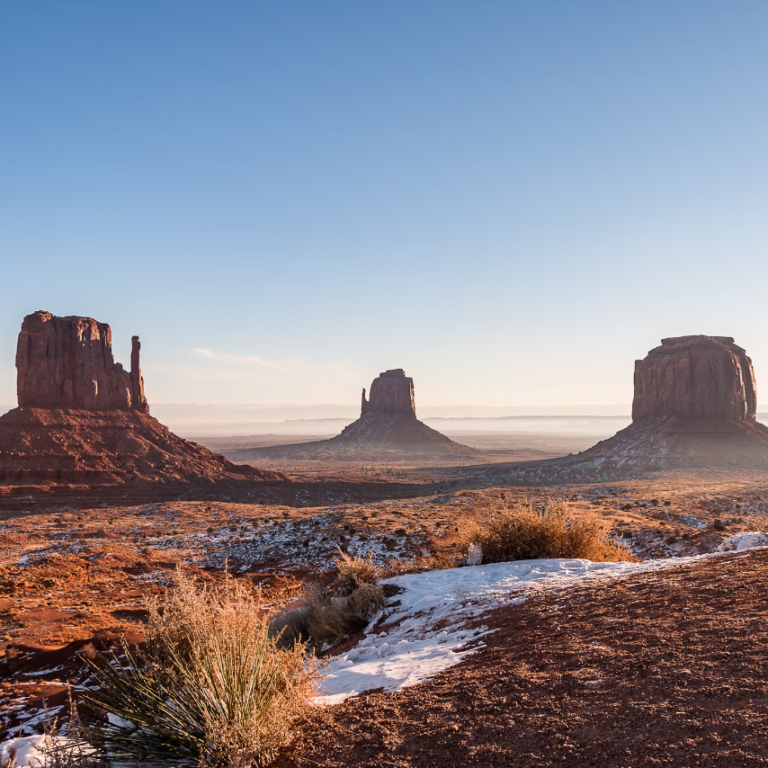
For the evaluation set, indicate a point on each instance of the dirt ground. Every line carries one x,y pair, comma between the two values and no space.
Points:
74,578
659,669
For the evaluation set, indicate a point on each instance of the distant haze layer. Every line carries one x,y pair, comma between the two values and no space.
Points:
200,420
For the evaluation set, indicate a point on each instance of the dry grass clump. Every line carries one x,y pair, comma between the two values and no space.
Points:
437,561
354,571
212,689
526,533
322,617
326,616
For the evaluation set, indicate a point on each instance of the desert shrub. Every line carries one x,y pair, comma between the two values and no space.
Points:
437,561
354,571
364,603
322,617
526,533
291,626
212,687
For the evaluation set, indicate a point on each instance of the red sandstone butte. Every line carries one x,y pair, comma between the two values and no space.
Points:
67,362
695,377
391,392
83,429
694,408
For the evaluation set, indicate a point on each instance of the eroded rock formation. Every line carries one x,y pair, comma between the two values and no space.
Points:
387,428
694,408
67,362
83,430
391,392
695,377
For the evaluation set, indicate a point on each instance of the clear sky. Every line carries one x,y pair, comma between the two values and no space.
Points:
510,200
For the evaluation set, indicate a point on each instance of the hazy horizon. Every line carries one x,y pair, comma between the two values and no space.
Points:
233,420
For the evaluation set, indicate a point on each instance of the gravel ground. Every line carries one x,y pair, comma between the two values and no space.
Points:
660,669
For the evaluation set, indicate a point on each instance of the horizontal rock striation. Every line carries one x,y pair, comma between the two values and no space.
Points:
67,362
106,447
695,377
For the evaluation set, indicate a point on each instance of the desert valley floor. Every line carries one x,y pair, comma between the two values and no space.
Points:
653,668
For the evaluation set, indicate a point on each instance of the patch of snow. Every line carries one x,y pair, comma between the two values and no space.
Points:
431,621
32,751
741,541
693,521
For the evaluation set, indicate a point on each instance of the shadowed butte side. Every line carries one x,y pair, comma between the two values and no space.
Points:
694,407
695,377
67,362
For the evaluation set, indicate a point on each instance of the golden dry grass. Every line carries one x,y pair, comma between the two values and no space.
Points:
354,571
214,689
325,617
524,532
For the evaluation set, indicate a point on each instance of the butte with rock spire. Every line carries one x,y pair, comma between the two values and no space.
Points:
82,430
387,428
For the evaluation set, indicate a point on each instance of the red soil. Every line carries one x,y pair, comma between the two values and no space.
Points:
655,670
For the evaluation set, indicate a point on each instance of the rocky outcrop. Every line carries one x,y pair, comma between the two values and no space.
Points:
694,408
98,448
82,428
695,377
139,402
67,362
392,393
387,429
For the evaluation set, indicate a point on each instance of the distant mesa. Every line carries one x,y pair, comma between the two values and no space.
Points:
391,393
387,428
694,407
83,424
695,377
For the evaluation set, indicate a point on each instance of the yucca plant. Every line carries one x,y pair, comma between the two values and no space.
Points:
212,689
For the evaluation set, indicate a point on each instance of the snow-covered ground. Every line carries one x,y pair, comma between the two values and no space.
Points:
433,623
745,540
41,751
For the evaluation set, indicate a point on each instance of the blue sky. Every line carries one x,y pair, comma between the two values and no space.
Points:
510,200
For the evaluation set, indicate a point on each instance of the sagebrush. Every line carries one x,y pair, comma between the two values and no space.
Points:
325,616
354,571
525,532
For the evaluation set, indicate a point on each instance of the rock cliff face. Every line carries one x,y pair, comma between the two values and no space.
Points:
67,362
392,393
387,429
83,430
694,408
695,377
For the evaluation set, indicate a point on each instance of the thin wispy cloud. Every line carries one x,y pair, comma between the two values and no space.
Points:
243,360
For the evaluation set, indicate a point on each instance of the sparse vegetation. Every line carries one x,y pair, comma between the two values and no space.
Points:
433,562
525,532
212,687
326,616
354,571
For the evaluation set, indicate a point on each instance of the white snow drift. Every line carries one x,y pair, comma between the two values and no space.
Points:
427,631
